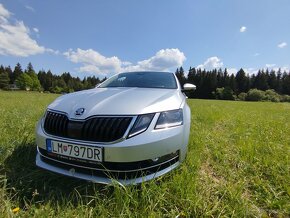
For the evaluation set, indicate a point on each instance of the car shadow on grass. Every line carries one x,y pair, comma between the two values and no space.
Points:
26,183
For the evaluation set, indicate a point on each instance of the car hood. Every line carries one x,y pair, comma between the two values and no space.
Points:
118,101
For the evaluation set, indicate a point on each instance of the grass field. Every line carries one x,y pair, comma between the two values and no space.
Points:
237,166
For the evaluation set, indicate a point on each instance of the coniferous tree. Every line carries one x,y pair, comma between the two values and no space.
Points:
232,83
212,82
49,79
220,79
242,82
272,80
191,75
9,72
226,79
35,85
261,81
286,83
42,78
66,77
16,73
93,81
29,70
180,75
279,88
4,78
2,69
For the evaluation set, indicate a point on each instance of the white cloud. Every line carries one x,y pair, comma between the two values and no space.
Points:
251,71
256,54
15,40
29,8
243,29
52,51
282,45
282,69
211,63
163,60
36,30
89,68
232,71
270,65
126,63
4,12
274,67
14,37
93,61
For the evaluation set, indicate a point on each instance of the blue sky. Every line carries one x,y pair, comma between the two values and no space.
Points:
103,37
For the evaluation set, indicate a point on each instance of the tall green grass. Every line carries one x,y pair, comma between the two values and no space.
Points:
237,165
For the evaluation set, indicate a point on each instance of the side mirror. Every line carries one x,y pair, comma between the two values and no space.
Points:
188,87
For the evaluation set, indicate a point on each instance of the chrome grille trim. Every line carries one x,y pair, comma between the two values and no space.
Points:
111,128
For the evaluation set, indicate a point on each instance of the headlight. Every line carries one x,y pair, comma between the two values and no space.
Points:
169,119
141,124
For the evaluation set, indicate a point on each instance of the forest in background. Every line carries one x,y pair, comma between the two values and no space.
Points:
45,81
269,85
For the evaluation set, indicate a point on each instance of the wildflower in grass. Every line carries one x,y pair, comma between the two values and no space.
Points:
16,210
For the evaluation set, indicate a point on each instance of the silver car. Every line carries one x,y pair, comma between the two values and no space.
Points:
131,128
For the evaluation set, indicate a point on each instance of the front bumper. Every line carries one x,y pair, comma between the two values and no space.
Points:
135,160
93,176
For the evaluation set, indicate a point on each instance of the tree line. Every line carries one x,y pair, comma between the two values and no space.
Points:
28,79
219,84
211,84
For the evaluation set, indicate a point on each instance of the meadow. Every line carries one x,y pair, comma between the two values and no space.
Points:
237,166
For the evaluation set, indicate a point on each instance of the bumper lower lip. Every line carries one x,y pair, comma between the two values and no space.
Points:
73,172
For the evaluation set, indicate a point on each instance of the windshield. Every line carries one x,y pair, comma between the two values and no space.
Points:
142,80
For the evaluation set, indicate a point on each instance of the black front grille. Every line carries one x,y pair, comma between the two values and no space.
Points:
56,124
97,129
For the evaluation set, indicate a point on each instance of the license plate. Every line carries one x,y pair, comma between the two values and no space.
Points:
74,150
